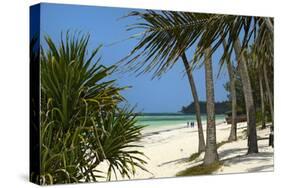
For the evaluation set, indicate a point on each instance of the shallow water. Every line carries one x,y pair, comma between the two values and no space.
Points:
159,120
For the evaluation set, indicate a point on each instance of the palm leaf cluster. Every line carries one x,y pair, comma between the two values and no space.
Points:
163,40
81,124
166,35
262,48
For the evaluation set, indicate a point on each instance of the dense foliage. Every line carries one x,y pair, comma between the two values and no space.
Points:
220,107
240,106
254,71
81,124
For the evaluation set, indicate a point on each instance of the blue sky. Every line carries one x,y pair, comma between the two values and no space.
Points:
167,94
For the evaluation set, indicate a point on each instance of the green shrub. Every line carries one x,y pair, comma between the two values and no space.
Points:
81,124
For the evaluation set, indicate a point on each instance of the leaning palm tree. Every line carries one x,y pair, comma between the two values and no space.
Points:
256,67
262,99
232,76
249,100
158,51
233,129
201,143
81,123
269,92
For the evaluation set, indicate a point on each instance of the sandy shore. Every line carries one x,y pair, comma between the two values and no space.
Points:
167,147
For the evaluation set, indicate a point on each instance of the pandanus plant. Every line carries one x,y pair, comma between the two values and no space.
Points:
81,123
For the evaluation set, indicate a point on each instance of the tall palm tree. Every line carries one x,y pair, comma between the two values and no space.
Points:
158,51
233,129
269,93
232,28
232,76
201,144
249,100
256,67
211,154
263,49
260,73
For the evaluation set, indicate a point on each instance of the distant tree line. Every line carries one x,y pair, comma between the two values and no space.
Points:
254,77
220,107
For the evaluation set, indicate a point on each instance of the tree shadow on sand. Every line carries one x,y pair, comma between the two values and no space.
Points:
255,158
174,161
261,168
233,157
225,153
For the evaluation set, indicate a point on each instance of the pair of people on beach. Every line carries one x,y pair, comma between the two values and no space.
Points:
191,124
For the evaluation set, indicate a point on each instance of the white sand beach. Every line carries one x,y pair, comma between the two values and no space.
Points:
168,149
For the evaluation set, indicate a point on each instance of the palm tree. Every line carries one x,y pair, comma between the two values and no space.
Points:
263,48
181,30
216,29
223,27
201,144
248,95
233,129
262,99
256,67
269,93
158,51
232,76
211,154
233,27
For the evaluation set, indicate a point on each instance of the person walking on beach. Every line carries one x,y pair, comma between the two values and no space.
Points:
187,124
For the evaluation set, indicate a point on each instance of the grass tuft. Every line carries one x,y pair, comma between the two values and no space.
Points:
200,169
193,156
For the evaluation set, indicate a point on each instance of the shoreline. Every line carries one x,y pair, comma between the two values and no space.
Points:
149,131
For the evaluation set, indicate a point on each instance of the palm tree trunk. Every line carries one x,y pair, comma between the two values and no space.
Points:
248,95
269,94
262,101
211,154
201,143
233,129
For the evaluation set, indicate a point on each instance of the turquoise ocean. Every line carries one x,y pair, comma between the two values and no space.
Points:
153,120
